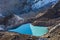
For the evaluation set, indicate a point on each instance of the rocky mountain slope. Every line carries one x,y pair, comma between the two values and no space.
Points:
50,18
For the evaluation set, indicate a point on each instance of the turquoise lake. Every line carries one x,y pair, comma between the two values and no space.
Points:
29,29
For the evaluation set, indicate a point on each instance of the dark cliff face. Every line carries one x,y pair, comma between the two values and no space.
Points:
14,6
17,7
54,12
